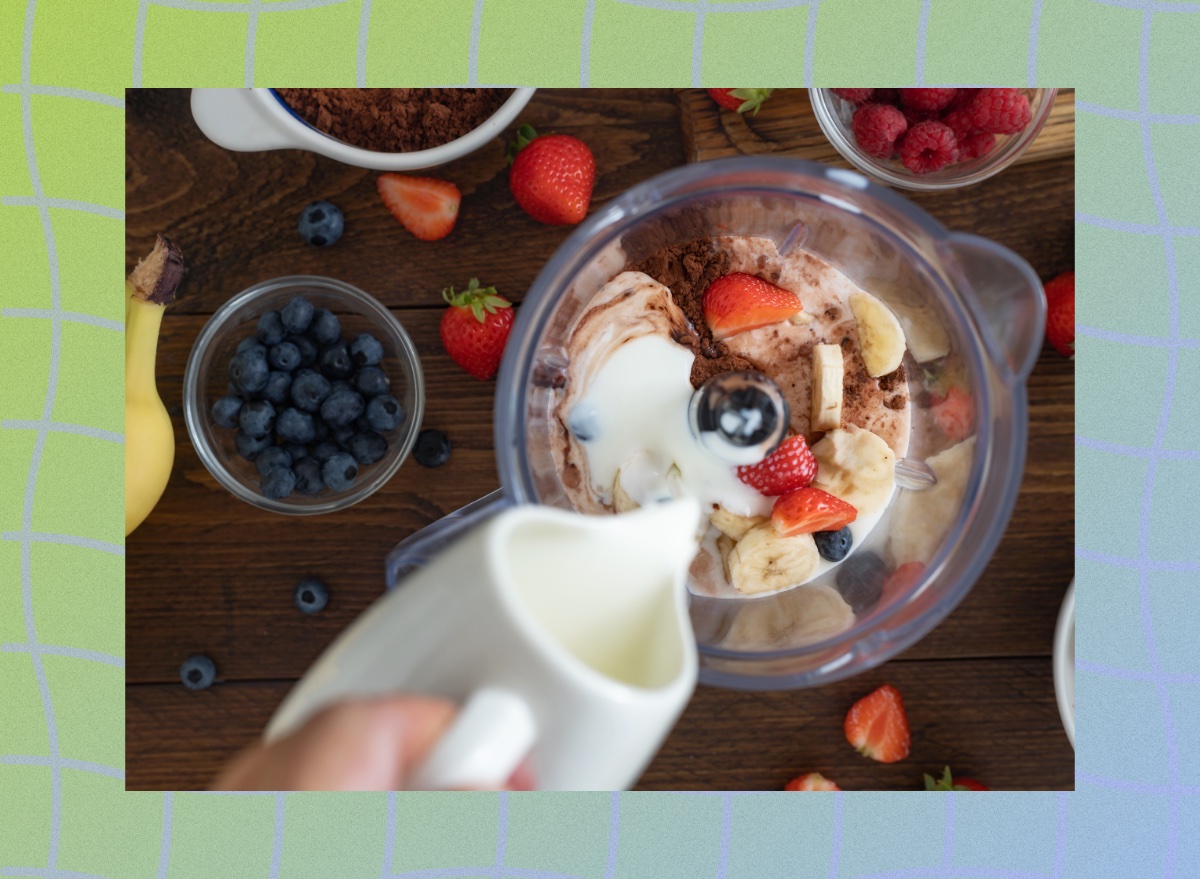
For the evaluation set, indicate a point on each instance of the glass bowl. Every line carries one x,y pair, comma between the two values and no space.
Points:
207,379
834,115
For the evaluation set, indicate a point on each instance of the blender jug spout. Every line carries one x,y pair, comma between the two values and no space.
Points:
1009,295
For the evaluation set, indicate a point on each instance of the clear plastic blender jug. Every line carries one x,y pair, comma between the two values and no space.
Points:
960,298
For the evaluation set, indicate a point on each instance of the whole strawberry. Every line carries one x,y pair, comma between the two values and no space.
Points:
551,176
1060,313
475,328
741,100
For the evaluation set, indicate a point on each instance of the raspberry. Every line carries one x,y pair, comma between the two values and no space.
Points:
975,145
1001,111
877,127
926,99
961,122
929,146
855,96
962,98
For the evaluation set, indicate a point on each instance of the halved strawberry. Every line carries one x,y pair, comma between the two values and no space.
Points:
954,413
811,781
949,782
425,206
738,302
878,727
789,467
1060,313
740,100
806,510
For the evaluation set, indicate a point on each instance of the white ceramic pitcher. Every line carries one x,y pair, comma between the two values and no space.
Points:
565,637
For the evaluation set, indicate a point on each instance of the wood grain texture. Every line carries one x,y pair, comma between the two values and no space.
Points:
786,126
993,719
207,573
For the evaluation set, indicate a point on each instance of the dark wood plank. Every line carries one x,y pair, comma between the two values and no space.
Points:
234,214
787,126
993,719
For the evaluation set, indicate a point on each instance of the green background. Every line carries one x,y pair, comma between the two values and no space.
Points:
64,65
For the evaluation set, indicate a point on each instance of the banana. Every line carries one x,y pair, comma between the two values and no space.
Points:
622,502
733,525
149,437
763,561
857,466
827,370
879,334
923,518
802,616
725,545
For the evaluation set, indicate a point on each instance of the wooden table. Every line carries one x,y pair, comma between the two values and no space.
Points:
207,573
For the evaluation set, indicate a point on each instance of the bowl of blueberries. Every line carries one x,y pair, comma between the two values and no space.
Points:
303,395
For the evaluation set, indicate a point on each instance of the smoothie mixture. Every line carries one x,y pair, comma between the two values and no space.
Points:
660,329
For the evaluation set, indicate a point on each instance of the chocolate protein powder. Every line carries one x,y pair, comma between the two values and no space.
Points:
394,120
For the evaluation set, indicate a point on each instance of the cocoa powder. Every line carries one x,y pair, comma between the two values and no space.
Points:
394,120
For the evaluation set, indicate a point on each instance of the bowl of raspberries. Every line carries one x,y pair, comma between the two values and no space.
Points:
931,138
303,395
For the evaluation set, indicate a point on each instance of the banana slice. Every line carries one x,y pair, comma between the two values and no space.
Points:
725,545
733,525
622,502
922,518
762,561
857,466
802,616
827,370
879,334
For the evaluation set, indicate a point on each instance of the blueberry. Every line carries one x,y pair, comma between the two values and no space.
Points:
296,451
340,471
269,459
297,315
366,350
197,672
341,407
308,475
309,391
324,451
340,385
249,446
248,373
279,384
367,448
321,224
257,417
335,361
371,381
252,345
384,413
294,426
284,356
860,580
833,545
325,328
270,328
307,348
225,411
343,435
311,596
432,448
278,483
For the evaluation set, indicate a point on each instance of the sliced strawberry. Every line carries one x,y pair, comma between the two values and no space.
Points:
811,781
949,782
954,413
789,467
738,302
903,578
878,727
806,510
1060,313
425,206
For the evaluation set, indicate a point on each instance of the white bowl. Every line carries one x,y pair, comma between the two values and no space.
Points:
1064,662
250,120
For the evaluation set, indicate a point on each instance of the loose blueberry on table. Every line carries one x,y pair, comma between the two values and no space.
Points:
311,595
197,672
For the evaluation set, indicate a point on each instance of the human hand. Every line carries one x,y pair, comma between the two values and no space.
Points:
370,744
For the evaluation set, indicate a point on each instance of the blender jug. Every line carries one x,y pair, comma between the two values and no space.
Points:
968,307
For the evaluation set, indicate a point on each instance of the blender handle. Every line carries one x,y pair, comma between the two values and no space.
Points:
418,549
231,118
1010,295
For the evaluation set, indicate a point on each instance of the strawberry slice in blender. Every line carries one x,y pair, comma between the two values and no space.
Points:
738,302
789,467
806,510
